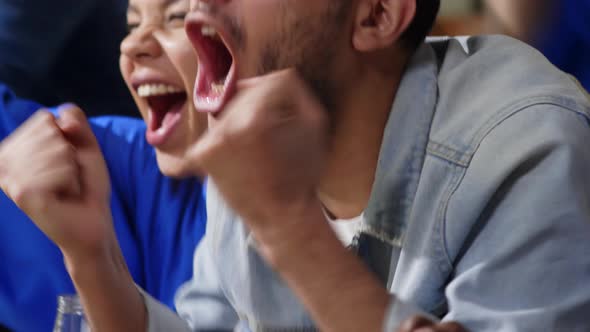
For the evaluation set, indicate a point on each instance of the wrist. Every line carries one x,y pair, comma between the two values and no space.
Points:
327,277
83,265
108,293
94,241
287,236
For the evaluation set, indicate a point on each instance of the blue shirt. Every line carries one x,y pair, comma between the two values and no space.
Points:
158,222
479,213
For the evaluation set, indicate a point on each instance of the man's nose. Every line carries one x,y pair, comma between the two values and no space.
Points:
205,5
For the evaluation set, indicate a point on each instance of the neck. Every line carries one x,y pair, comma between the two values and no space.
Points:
357,133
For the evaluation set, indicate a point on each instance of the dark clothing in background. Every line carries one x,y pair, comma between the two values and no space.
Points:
65,51
566,39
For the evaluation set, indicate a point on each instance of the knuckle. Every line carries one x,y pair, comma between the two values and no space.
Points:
452,327
66,151
291,81
289,74
58,154
4,172
37,203
416,322
44,117
52,134
78,113
19,194
75,113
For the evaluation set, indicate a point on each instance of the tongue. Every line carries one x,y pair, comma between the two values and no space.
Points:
169,118
165,109
162,124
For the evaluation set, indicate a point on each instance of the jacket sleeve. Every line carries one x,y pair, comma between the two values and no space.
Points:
200,302
517,228
399,311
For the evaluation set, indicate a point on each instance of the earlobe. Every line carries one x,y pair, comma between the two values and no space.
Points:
380,23
364,37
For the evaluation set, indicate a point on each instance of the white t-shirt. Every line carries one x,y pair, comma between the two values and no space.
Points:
345,229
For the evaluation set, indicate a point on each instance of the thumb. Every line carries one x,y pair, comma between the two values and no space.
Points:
75,127
93,170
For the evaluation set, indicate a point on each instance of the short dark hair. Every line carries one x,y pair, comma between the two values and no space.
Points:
426,11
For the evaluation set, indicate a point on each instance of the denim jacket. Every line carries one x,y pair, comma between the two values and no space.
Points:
480,210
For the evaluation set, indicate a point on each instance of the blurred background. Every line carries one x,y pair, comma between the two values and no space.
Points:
61,51
55,51
560,29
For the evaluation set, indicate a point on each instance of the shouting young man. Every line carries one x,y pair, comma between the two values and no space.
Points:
359,176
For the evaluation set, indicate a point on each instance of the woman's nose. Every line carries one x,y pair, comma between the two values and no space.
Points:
141,43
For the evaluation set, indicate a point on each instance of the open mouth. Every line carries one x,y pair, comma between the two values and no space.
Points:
216,74
166,103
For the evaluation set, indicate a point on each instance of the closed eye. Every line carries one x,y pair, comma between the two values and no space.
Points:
131,27
177,17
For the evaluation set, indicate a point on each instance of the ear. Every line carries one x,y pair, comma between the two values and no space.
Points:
380,23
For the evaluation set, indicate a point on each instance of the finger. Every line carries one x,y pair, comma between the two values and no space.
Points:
31,193
75,126
450,327
94,175
42,133
285,91
425,329
275,75
414,323
37,128
32,159
250,89
51,155
65,121
40,116
41,119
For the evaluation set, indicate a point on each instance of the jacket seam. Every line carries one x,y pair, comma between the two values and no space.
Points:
457,179
454,183
463,159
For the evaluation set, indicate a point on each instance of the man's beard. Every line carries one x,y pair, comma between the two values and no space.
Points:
307,44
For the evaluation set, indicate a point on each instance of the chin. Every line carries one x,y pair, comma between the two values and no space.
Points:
174,167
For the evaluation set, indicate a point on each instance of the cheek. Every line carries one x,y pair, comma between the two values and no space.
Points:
126,68
169,164
183,57
186,64
265,29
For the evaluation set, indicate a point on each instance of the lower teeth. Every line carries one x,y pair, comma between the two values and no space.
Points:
217,88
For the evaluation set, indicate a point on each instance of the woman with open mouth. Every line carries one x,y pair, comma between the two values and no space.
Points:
158,220
159,66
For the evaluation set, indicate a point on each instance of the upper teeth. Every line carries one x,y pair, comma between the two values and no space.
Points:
147,90
209,31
